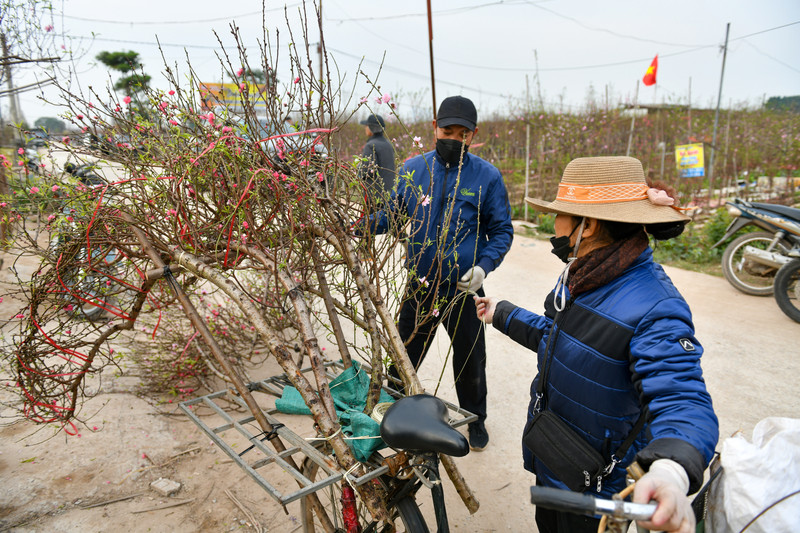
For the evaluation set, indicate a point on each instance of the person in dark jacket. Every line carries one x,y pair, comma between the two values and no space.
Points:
377,167
460,229
616,345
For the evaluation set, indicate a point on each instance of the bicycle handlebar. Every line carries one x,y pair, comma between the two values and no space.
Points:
586,504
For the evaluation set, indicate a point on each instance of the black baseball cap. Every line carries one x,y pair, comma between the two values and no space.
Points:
375,122
457,110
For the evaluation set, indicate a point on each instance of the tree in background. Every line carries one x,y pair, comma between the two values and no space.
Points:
783,103
126,63
50,124
27,39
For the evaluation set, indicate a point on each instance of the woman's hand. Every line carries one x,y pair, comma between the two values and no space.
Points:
485,306
662,485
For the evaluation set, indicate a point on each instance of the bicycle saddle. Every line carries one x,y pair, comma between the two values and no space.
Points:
419,423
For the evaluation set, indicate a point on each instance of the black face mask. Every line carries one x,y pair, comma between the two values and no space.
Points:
561,246
449,150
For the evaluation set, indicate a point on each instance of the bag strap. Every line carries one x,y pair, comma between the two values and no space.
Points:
541,398
541,390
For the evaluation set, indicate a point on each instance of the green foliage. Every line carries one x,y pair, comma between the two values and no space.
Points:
694,244
120,61
126,63
50,124
546,222
783,103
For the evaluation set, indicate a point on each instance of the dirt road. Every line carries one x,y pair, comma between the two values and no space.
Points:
751,364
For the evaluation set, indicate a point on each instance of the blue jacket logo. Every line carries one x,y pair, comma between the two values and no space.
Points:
466,192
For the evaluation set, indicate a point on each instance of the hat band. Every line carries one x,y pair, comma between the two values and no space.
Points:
601,194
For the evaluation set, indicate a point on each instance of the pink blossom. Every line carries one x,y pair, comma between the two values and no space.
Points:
426,200
79,117
304,163
54,188
48,28
65,140
423,281
20,316
386,98
226,129
21,151
50,218
435,312
171,92
127,100
173,122
297,79
239,72
320,176
242,86
34,190
363,100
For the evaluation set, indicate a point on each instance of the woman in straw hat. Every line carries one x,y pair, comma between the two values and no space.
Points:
618,362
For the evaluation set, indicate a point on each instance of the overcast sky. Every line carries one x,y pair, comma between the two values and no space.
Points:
484,49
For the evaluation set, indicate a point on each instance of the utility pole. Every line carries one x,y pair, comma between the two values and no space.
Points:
633,118
13,101
430,50
716,117
319,48
527,143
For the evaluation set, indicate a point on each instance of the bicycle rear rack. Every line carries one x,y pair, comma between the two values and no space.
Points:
295,444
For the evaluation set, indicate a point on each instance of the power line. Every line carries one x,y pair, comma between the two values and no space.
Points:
413,74
166,22
456,10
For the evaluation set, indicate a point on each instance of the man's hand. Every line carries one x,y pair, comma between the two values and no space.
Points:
472,280
666,483
485,307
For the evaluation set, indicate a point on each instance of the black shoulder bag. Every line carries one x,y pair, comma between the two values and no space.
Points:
573,461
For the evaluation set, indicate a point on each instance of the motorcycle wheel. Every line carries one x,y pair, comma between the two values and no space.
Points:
745,275
787,289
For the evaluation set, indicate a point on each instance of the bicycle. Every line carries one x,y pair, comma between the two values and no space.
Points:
416,429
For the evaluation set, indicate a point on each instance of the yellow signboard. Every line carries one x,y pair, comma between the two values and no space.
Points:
229,95
689,160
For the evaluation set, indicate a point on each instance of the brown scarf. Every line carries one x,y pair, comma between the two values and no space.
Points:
604,264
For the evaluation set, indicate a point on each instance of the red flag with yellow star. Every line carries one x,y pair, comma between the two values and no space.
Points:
650,76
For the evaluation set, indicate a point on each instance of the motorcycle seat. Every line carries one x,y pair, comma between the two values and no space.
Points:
782,210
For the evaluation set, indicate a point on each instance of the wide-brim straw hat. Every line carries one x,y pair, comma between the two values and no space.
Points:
607,188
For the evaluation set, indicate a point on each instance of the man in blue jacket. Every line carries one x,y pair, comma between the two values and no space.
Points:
460,229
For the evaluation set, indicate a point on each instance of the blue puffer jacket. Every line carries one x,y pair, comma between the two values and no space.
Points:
458,219
625,346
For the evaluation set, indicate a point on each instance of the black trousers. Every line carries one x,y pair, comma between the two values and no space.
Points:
467,336
550,521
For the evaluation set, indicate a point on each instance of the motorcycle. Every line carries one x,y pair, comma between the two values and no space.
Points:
751,261
787,287
84,277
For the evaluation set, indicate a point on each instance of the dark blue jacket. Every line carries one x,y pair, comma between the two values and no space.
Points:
459,218
623,347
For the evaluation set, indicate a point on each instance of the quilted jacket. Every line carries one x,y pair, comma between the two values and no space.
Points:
619,349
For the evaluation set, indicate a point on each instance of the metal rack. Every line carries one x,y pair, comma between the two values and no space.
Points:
295,444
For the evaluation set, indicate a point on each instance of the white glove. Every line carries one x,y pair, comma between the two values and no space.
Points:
472,280
667,483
